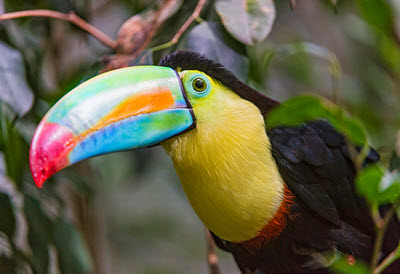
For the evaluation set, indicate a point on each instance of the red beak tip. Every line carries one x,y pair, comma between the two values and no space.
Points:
39,184
47,152
39,175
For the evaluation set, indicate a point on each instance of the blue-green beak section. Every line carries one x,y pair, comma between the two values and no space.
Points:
120,110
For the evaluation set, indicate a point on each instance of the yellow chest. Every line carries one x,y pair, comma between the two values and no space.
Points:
228,173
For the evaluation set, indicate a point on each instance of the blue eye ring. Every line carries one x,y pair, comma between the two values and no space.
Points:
199,85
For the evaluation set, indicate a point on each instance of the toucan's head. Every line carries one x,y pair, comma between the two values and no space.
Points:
134,107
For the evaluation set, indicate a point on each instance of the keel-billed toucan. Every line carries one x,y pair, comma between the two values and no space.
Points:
280,200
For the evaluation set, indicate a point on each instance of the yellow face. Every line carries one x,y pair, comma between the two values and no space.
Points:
209,98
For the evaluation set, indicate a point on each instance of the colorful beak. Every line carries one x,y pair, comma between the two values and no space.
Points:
120,110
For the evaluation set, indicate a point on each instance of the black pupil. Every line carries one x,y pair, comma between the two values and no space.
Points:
199,85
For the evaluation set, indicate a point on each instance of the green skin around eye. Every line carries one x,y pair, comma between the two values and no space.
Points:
189,79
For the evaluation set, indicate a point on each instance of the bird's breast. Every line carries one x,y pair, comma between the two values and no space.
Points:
230,178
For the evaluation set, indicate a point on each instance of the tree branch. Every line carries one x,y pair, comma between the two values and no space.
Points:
292,4
381,226
184,27
394,255
190,20
212,257
69,17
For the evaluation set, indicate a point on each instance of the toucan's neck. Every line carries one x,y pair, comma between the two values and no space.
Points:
227,170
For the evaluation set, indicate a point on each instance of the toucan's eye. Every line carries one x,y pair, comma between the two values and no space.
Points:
196,84
199,84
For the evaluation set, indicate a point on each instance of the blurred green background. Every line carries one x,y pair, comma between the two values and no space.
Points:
126,212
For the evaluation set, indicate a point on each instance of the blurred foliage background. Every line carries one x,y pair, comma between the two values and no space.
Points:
126,212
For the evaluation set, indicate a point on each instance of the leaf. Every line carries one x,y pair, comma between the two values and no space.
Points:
7,218
377,14
367,181
38,234
248,21
211,39
352,128
389,188
13,87
343,266
377,186
305,108
296,111
15,151
73,256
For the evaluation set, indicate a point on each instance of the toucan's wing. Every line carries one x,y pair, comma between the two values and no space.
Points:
314,161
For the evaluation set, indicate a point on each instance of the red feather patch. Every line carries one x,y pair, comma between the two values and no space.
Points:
275,226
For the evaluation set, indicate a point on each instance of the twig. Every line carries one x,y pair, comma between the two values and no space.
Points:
381,229
394,255
184,27
70,17
212,257
292,4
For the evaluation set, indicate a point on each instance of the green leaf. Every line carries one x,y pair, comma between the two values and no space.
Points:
305,108
211,39
389,188
7,218
343,266
296,111
14,90
73,256
352,128
15,152
248,21
377,186
39,233
377,13
367,181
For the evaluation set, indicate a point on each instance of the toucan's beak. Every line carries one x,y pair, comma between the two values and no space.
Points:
119,110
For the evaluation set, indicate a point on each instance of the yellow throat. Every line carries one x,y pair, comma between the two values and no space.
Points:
226,167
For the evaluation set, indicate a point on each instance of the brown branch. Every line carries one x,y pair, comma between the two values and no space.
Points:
212,257
189,21
292,4
70,17
184,27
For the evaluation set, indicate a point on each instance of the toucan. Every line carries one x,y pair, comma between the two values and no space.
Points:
281,200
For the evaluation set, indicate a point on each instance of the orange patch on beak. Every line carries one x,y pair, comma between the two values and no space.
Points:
148,101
